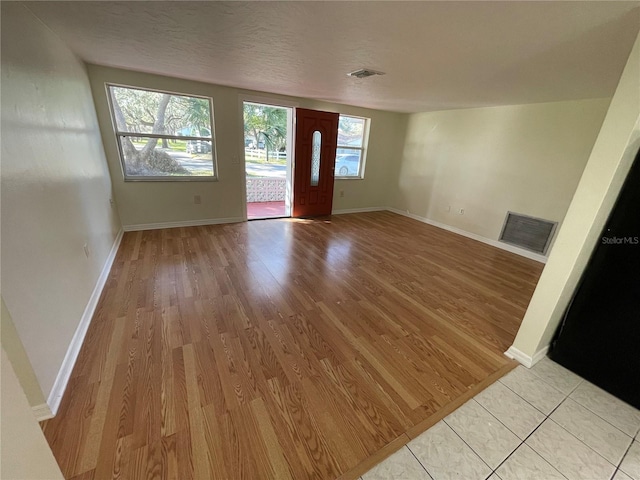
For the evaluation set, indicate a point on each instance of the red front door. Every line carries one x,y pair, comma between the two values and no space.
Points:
316,140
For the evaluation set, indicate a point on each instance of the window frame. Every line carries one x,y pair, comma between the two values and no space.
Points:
363,149
164,178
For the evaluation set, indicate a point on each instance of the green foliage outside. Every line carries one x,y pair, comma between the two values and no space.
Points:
174,145
265,124
147,112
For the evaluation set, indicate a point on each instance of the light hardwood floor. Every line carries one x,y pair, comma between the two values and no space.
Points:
284,349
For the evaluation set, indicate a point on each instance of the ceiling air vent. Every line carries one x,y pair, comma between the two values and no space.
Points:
364,73
530,233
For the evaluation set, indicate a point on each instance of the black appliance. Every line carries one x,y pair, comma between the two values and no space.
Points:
599,337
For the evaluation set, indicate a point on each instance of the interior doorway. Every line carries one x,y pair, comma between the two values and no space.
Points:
268,143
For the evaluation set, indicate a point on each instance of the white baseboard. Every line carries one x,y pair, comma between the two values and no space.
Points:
42,412
186,223
357,210
60,385
494,243
523,358
539,355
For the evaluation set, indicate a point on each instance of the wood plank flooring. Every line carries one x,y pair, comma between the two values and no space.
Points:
283,349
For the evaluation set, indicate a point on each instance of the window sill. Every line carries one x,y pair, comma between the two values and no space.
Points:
171,179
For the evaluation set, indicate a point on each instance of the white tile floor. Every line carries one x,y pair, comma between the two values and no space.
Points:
542,423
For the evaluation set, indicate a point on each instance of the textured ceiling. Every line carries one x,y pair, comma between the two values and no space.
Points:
436,55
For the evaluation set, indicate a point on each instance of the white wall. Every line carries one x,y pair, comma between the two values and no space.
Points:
25,454
14,348
160,202
613,153
487,161
55,190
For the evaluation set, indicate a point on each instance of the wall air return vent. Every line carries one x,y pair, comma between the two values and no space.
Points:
533,234
364,73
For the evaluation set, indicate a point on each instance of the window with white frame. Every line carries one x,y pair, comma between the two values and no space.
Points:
350,154
162,135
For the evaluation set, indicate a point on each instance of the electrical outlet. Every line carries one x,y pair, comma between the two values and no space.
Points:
111,201
461,211
86,250
197,199
448,208
341,193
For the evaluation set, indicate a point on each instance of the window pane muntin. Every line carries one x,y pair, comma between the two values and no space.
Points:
185,115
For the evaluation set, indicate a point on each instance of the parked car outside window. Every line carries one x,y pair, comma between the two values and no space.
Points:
352,144
198,146
347,165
